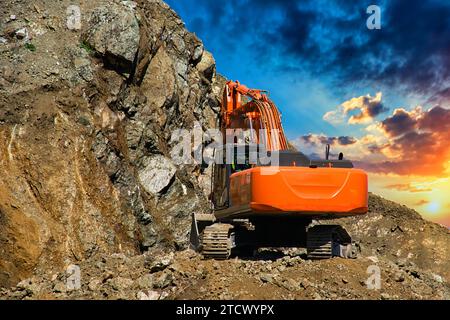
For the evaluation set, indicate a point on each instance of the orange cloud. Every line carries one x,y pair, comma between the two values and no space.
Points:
407,142
366,107
422,202
401,122
406,187
417,142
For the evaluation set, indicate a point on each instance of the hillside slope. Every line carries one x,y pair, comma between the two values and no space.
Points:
269,273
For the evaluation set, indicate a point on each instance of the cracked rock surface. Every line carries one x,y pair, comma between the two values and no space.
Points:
86,121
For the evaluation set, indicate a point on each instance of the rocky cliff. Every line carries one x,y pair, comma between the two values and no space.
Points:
87,112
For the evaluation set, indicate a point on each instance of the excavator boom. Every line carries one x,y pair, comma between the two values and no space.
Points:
259,113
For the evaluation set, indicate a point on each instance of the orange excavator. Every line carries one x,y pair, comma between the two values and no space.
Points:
264,194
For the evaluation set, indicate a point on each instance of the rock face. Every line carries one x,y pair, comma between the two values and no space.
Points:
86,122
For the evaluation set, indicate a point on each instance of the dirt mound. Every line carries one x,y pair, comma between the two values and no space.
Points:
399,234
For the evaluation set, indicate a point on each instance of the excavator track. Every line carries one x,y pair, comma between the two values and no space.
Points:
216,241
319,243
326,241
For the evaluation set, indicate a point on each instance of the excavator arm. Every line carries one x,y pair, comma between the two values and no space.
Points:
244,108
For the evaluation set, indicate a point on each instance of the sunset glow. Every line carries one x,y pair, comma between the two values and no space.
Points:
429,197
406,152
433,207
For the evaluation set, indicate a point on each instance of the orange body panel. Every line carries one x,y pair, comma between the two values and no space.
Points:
300,190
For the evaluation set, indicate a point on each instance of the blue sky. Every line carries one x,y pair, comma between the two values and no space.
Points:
314,55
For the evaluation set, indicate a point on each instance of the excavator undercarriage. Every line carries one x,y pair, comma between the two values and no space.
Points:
219,240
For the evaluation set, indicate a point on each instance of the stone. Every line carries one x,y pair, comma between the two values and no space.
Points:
29,286
437,278
281,268
178,42
94,284
145,281
401,262
163,280
108,275
83,67
148,295
266,278
59,287
181,69
159,86
120,283
398,277
385,296
120,257
198,52
164,295
289,284
22,33
207,65
11,28
305,283
157,174
113,31
129,4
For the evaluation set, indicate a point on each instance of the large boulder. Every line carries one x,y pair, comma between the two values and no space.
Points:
113,31
157,174
207,65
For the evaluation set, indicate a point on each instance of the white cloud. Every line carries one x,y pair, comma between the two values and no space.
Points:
367,108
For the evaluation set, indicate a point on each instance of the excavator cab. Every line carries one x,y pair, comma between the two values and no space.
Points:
229,159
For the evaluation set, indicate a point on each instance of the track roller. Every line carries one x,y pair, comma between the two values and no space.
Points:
217,241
